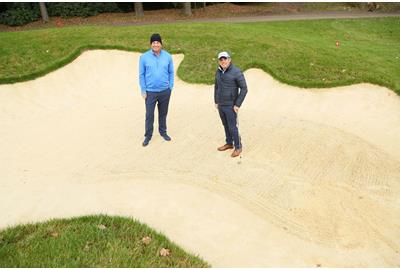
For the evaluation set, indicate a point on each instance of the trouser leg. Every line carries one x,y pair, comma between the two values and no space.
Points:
163,103
222,115
150,102
231,117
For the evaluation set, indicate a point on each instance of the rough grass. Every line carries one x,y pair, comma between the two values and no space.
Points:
84,242
301,53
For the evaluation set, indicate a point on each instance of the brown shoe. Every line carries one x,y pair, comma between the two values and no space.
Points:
236,152
225,147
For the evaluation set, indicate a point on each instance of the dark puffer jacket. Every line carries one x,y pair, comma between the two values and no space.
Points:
227,85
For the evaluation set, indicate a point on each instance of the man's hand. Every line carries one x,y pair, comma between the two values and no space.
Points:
236,109
144,95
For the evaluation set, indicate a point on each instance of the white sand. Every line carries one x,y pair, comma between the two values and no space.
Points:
318,181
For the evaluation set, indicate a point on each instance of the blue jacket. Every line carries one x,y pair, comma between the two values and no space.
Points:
156,73
227,85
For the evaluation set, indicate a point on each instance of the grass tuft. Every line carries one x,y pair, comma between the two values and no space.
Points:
90,241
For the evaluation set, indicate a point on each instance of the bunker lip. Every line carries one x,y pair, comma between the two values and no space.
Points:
317,183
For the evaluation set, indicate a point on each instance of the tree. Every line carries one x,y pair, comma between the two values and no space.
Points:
139,9
187,9
372,6
43,12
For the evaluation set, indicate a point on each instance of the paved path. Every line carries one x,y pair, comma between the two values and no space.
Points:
285,17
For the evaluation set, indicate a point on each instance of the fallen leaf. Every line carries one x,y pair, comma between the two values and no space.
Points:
54,234
101,227
146,240
165,252
87,245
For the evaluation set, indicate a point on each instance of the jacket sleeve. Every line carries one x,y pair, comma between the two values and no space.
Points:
215,89
142,77
241,82
171,73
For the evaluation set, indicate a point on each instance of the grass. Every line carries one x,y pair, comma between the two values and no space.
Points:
82,242
301,53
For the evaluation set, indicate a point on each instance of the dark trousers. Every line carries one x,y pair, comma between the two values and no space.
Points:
162,101
229,120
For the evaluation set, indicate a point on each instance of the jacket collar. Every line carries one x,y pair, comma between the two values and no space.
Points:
220,68
152,52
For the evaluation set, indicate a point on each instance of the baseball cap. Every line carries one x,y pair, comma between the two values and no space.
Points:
223,54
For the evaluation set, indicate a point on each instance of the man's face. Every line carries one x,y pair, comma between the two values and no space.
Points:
156,46
224,62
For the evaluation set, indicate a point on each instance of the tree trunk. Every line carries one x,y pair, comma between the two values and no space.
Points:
187,9
43,11
139,9
371,6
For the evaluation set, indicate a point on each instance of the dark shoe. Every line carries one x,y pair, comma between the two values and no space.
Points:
166,137
236,152
225,147
146,141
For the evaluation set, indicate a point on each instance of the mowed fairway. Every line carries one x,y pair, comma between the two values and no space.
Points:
317,183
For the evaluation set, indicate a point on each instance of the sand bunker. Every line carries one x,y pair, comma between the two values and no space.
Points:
318,182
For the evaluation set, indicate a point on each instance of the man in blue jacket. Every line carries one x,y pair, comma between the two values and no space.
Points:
230,89
156,76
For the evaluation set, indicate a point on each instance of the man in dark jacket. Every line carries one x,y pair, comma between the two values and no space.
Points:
230,90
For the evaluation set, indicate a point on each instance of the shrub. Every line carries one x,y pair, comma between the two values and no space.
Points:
66,10
20,13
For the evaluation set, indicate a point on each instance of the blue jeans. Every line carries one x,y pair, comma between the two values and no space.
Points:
229,120
162,101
